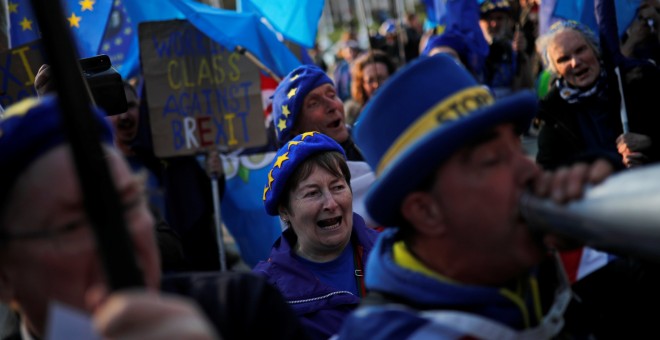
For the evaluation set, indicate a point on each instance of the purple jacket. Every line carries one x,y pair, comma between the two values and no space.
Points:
321,308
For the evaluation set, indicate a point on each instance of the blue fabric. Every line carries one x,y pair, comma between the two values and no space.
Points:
435,12
338,273
296,20
231,29
136,12
287,160
243,208
385,276
290,95
321,308
87,21
583,11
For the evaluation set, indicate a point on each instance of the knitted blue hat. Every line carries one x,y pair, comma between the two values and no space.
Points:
290,94
29,129
287,160
415,122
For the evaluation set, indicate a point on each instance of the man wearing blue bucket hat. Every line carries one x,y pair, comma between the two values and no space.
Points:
48,254
450,171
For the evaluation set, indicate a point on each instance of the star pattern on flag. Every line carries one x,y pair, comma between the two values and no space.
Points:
12,7
26,24
87,5
285,111
87,20
74,20
294,77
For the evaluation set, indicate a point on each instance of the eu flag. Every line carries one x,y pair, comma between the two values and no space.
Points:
231,29
296,20
86,19
118,40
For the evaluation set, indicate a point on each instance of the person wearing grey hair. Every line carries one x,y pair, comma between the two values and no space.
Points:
581,114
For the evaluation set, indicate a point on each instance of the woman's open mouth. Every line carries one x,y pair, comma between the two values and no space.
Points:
329,223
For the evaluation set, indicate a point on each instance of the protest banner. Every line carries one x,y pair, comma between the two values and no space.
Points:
200,95
18,68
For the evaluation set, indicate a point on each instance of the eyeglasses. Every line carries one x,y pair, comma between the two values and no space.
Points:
75,235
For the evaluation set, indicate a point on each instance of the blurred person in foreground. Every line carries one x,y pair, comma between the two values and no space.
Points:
318,262
461,261
179,188
48,252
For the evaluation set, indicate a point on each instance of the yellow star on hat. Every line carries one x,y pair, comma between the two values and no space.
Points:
292,92
285,111
280,160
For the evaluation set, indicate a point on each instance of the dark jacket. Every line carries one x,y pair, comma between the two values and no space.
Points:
239,305
561,140
322,308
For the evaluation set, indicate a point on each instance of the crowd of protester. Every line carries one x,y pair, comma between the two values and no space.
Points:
397,180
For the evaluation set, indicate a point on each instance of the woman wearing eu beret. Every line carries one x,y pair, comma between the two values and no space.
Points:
318,262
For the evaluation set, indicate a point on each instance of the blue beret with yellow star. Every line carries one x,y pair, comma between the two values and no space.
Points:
290,94
287,160
29,129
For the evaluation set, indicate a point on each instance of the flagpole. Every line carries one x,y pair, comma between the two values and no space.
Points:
400,32
253,59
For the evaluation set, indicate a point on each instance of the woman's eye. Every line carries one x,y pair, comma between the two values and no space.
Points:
311,193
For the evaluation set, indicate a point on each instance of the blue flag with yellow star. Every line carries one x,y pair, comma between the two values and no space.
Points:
86,18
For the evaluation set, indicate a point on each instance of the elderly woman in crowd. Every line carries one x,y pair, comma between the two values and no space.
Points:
318,262
369,72
581,113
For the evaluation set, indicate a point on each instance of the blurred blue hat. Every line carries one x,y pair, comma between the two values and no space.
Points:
287,160
490,6
456,41
290,94
29,129
415,122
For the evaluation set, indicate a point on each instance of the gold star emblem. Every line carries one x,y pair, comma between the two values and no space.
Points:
307,134
280,160
292,92
12,7
294,77
292,143
270,177
74,20
281,124
87,5
285,111
26,24
265,191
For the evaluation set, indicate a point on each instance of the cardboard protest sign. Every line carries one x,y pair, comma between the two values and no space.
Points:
200,95
18,68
